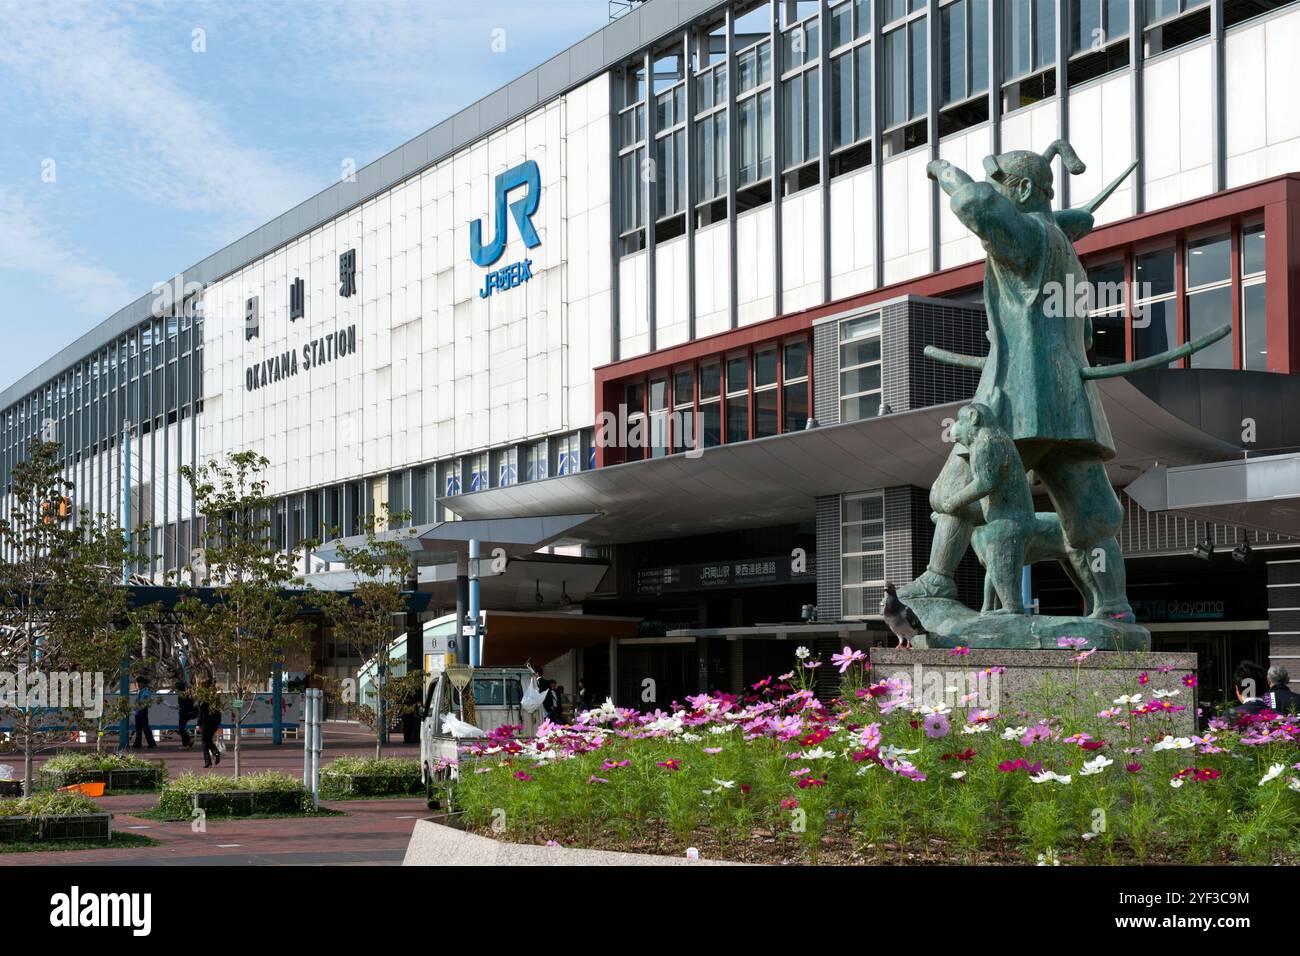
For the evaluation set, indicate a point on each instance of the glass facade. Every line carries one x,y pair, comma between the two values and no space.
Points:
862,553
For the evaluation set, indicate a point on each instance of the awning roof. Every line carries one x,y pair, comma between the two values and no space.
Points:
1262,493
844,630
443,541
776,480
516,638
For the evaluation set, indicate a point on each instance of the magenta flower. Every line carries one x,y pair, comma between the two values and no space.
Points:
520,775
614,764
936,726
673,764
1073,642
594,779
1143,679
958,651
1189,680
1133,767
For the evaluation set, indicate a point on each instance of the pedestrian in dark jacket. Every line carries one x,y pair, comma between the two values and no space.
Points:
209,723
186,711
143,732
1249,683
1281,698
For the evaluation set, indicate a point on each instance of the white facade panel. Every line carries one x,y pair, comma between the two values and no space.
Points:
438,370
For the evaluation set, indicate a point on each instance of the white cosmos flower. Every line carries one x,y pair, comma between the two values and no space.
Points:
925,710
1167,693
890,750
722,728
1169,742
976,729
1047,776
1096,765
728,784
1014,733
958,774
1128,699
1274,772
1049,858
1175,784
1295,783
819,753
801,652
691,738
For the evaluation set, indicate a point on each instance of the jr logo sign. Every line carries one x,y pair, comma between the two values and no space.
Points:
527,175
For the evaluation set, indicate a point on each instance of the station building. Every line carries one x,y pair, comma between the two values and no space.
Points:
650,320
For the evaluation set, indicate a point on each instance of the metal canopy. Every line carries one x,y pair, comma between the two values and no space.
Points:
444,541
776,480
1261,493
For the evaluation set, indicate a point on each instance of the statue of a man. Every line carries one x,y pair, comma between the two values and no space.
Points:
1031,379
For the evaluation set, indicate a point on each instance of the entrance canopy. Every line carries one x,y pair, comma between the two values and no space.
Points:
444,541
512,638
776,480
1261,493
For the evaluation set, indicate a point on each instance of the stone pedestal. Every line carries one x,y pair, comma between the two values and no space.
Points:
951,623
1041,681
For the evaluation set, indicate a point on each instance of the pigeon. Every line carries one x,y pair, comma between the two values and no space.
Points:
902,620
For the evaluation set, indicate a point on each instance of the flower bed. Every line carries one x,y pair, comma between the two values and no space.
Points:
115,771
53,816
257,793
880,776
355,777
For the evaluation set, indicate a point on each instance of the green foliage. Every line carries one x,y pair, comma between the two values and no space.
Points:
177,798
250,622
71,761
53,804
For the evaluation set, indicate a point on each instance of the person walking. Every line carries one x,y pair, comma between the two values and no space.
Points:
142,699
186,711
209,723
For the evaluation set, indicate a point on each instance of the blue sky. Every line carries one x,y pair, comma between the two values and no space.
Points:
127,156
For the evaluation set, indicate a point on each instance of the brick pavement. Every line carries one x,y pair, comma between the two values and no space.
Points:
372,832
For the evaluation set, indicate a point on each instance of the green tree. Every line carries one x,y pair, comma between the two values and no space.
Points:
365,618
243,625
63,609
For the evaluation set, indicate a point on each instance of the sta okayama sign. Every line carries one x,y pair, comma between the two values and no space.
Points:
314,352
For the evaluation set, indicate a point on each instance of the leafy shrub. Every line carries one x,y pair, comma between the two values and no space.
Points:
358,776
283,793
49,805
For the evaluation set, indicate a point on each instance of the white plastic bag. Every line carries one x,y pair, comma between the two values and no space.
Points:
458,728
534,698
6,771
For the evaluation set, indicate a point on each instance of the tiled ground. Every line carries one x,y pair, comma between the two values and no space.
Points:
372,832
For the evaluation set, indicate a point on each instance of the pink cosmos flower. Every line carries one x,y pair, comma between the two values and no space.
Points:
594,779
936,726
806,782
520,775
958,651
801,772
1074,642
789,803
712,750
614,764
1133,767
846,659
1189,680
1144,678
1035,734
673,764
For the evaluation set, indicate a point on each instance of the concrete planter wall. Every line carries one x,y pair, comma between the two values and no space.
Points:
142,779
372,785
89,826
243,803
1093,683
433,844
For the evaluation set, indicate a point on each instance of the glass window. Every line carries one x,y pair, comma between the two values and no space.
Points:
841,100
1209,296
860,368
862,91
1252,249
1206,311
795,378
1044,33
1209,260
658,417
862,553
765,367
917,61
952,41
711,404
1106,311
841,24
1016,38
710,380
737,398
895,77
1155,327
1254,328
634,394
766,396
1154,274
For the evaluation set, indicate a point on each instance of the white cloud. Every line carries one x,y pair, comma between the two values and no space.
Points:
39,253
